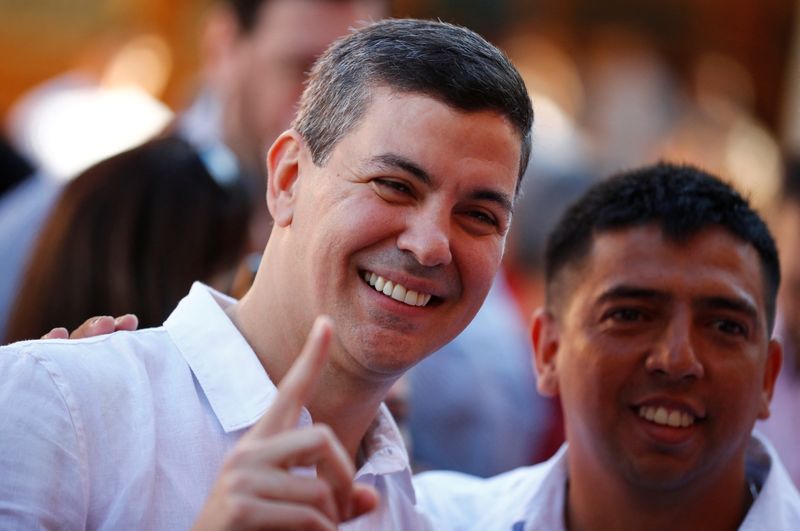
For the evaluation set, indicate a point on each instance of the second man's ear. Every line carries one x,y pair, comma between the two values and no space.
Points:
545,336
771,370
283,166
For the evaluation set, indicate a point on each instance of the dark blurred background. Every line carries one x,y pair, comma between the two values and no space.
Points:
644,78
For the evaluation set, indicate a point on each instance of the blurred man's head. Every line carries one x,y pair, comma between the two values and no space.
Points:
258,53
661,287
393,194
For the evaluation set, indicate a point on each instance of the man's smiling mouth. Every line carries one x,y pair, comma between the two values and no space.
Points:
396,291
666,416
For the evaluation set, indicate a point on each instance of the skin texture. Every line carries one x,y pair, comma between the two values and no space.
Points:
679,325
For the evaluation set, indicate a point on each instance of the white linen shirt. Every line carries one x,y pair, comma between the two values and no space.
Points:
532,498
129,430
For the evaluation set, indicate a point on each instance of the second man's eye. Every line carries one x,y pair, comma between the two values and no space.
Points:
729,327
626,315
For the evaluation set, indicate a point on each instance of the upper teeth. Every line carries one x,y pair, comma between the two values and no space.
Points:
666,417
396,291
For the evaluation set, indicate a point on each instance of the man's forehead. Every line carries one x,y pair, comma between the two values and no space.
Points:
644,257
382,96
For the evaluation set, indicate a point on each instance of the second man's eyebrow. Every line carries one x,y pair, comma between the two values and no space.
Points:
736,304
393,160
624,291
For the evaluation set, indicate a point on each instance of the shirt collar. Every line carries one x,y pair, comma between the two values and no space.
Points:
227,369
763,468
383,446
239,389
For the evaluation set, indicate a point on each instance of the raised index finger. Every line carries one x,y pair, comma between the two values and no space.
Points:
299,383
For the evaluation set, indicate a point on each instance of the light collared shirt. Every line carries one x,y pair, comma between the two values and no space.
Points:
533,498
129,430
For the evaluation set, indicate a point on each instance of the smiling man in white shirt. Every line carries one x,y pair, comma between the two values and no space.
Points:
661,287
391,195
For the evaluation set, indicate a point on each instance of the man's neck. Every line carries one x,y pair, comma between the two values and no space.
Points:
597,503
348,405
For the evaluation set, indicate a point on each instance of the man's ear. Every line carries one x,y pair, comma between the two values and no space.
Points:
283,166
771,371
545,335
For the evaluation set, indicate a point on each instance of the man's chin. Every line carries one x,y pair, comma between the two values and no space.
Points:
662,475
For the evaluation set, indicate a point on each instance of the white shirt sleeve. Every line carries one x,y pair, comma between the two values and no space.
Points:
43,483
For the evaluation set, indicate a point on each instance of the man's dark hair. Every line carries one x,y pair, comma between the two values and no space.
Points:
443,61
682,199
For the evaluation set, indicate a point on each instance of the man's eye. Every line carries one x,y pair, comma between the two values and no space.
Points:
482,217
392,186
732,328
626,315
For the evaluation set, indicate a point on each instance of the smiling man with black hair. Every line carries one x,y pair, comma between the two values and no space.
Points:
656,336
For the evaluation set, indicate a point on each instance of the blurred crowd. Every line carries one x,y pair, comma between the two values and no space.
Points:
113,202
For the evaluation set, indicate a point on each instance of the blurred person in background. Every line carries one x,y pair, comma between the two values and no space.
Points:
130,235
473,405
14,168
255,55
549,189
781,427
20,193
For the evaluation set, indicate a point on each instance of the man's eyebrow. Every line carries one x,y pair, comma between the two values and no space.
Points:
736,304
394,161
624,291
494,196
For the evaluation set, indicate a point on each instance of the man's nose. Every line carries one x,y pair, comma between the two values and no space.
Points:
674,354
427,236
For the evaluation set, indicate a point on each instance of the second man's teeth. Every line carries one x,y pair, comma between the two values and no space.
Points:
660,415
396,291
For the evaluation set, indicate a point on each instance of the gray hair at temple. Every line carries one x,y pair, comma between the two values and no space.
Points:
446,62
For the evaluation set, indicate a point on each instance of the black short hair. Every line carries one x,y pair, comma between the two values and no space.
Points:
443,61
682,199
